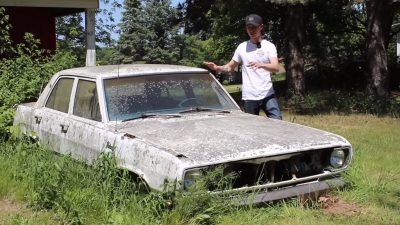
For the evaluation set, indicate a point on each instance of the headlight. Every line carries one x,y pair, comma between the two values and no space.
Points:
191,177
338,158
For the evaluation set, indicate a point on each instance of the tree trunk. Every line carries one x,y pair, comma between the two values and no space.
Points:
294,60
380,17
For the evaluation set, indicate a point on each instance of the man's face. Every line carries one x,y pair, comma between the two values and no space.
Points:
254,31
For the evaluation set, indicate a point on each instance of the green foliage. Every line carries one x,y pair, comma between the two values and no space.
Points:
103,193
347,103
228,21
221,50
197,206
23,74
70,188
108,56
194,52
71,33
339,28
115,184
149,32
5,41
196,16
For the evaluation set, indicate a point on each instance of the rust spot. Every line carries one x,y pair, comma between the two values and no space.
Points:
129,136
181,156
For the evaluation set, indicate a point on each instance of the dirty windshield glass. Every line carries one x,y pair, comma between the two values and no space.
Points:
129,97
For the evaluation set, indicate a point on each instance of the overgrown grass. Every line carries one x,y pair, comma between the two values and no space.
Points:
70,192
98,194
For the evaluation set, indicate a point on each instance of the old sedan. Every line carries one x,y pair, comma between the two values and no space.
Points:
173,123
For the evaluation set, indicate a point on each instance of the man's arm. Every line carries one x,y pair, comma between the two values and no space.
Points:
272,66
227,68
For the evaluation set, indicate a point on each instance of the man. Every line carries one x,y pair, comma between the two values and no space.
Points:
259,59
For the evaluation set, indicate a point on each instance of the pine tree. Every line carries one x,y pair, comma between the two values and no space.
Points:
149,32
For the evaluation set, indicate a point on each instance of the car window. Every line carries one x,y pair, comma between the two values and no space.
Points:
86,102
172,93
60,95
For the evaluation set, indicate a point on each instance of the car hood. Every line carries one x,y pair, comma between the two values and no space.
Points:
210,138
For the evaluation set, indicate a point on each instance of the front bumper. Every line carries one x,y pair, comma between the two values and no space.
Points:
287,192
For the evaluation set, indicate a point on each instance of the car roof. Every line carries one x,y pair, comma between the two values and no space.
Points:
130,69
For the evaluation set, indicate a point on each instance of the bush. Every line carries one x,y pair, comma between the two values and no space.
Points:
345,103
22,78
24,69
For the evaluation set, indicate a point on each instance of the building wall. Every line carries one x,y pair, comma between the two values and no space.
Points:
38,21
52,3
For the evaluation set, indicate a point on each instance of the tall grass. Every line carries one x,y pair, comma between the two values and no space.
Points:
98,194
74,193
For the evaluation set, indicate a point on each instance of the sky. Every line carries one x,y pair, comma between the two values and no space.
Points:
118,13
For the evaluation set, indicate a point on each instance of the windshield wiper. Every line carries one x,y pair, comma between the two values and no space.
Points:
201,109
147,115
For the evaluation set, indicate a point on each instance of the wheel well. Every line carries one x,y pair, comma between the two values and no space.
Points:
143,187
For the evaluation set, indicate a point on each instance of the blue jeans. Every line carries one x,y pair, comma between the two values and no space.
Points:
269,105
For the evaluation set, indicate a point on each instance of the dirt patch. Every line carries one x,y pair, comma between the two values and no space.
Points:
7,206
334,205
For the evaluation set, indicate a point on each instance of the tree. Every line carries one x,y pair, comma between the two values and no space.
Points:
380,17
294,58
70,31
150,32
334,45
129,28
195,14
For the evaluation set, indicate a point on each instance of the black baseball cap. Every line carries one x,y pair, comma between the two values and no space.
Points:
254,19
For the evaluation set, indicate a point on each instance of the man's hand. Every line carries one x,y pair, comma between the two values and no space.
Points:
227,68
211,65
255,65
272,66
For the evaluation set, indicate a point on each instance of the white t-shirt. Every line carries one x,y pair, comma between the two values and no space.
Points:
257,83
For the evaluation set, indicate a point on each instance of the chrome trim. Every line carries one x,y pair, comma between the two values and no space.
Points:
326,174
298,190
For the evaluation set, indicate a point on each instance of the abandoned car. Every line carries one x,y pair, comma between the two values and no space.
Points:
174,123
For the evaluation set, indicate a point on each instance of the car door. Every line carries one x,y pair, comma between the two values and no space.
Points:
51,121
87,134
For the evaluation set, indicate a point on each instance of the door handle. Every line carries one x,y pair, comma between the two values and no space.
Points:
110,146
38,119
64,128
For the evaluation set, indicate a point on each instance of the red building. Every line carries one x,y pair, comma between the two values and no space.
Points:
38,17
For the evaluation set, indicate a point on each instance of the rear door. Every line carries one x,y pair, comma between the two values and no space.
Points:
52,119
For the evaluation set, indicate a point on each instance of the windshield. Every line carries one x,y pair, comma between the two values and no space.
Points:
130,97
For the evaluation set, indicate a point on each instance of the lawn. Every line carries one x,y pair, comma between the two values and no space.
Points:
372,196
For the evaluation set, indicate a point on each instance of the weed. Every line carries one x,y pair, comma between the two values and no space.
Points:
114,183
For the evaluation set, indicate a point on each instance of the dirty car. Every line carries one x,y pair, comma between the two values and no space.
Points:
168,123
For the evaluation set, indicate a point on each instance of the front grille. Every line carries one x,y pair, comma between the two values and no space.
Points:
275,169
